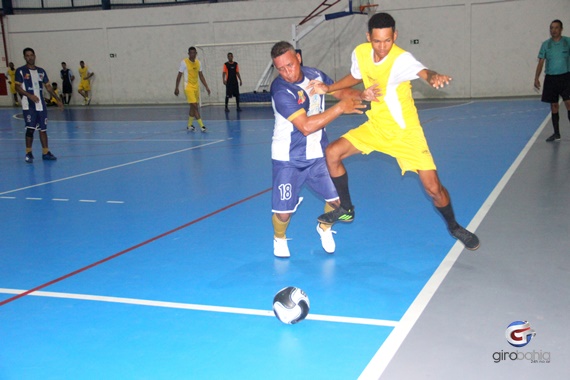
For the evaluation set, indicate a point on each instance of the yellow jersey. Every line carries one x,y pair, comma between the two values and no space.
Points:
191,72
12,78
83,72
396,108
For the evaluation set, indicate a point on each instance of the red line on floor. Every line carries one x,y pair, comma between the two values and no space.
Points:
2,303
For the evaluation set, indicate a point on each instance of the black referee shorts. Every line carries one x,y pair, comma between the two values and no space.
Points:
556,86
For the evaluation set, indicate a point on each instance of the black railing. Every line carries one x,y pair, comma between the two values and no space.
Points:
34,6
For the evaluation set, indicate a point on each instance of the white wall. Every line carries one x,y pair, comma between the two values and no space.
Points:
489,47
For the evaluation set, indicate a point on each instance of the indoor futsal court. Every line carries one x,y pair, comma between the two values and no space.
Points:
145,251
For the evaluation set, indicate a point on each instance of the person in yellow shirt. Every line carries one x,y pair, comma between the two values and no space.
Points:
11,75
85,84
393,126
191,69
55,97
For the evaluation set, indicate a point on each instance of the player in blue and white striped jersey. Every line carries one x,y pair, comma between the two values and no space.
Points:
299,141
30,81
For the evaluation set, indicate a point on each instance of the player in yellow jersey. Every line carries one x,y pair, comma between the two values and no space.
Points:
85,84
55,97
393,125
191,69
11,75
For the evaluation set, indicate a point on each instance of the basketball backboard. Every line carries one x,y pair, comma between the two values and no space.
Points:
363,6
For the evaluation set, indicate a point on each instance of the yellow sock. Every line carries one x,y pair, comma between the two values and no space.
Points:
279,227
45,150
325,226
190,121
200,122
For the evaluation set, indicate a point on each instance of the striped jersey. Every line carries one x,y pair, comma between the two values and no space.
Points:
32,81
289,100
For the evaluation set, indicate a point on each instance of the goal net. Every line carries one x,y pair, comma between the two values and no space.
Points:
254,62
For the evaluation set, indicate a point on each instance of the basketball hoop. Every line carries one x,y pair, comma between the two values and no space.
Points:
369,9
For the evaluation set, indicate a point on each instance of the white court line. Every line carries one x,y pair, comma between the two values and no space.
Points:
67,200
112,167
190,306
445,107
386,352
110,139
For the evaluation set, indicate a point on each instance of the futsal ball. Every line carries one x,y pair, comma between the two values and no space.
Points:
291,305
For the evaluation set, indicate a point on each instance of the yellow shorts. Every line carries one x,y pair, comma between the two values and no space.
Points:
192,94
84,85
12,88
408,146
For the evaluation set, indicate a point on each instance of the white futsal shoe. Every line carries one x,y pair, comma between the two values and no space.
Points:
327,239
280,248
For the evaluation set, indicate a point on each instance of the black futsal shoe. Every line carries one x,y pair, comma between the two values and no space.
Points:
469,240
554,137
49,157
337,215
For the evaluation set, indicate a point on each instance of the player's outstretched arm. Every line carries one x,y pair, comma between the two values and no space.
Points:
318,87
371,94
434,79
309,124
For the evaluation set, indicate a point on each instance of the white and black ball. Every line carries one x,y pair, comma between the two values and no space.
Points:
291,305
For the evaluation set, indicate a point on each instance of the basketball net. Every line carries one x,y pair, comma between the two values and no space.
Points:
368,9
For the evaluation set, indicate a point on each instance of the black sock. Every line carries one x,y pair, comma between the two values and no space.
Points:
227,102
555,122
449,216
341,184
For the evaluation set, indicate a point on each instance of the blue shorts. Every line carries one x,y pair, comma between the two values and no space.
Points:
35,119
289,177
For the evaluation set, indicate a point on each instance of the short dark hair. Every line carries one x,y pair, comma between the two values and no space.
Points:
63,63
191,48
281,48
381,21
558,21
54,84
29,49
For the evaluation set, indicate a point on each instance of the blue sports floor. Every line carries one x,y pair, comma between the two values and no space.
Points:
145,251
